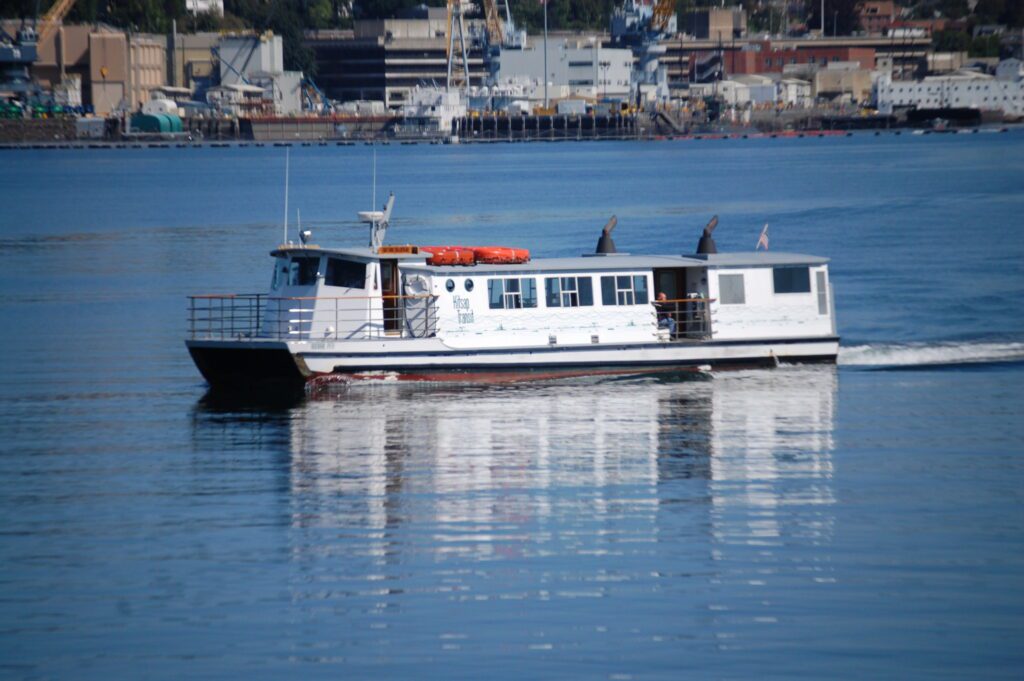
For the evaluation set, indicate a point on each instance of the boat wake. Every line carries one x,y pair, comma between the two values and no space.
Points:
909,355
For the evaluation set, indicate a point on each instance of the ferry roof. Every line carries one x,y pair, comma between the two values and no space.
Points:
634,262
586,263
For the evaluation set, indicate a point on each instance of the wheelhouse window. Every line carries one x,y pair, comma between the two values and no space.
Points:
624,290
345,273
511,294
792,279
569,291
731,290
303,271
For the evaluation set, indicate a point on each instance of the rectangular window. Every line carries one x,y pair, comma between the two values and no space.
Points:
303,271
730,289
569,291
580,64
624,290
511,294
345,273
792,279
819,277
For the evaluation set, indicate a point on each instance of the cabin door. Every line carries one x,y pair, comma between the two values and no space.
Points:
389,290
671,282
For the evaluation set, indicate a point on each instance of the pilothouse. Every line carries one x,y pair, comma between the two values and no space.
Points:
495,313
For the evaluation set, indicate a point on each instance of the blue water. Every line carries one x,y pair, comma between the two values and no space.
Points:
859,521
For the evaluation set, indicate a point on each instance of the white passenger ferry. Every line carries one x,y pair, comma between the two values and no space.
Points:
410,312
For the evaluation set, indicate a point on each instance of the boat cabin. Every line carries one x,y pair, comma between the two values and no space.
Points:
394,292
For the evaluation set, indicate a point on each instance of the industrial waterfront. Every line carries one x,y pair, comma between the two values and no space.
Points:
468,71
859,520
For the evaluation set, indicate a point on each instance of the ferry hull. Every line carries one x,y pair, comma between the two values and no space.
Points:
240,365
245,364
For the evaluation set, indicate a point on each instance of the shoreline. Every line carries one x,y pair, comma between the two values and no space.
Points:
397,141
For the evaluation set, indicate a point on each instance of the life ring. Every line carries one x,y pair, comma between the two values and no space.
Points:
416,285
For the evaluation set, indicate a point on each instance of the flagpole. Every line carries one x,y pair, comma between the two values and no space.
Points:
545,54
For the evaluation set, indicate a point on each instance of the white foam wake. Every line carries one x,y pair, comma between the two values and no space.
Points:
909,354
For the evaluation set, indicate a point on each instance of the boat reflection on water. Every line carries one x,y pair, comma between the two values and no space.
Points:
519,469
648,512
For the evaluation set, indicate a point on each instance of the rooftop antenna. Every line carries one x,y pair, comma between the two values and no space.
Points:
286,158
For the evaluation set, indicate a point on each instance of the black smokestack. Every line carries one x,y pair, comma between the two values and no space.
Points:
706,243
605,244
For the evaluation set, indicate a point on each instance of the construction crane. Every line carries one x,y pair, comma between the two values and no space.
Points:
663,12
495,31
457,23
53,18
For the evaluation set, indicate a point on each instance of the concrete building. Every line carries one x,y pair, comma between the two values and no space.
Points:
1002,94
715,24
190,61
258,61
844,81
767,56
384,60
584,67
794,92
101,68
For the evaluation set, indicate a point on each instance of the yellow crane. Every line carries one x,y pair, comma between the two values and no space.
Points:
663,11
52,19
458,61
495,28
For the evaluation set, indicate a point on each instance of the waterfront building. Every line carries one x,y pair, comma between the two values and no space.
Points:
385,59
257,61
1003,93
582,66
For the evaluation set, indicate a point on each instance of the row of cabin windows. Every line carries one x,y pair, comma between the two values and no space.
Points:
519,292
306,271
731,290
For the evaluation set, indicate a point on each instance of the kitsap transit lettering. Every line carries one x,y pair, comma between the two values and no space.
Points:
463,309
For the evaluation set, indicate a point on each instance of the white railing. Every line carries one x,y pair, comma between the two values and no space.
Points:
257,315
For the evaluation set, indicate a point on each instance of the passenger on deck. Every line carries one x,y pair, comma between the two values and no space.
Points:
666,319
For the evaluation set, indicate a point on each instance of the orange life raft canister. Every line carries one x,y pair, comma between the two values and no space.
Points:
471,255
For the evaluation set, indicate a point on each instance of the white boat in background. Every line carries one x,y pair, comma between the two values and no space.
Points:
492,313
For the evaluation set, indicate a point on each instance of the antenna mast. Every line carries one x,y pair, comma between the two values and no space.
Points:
286,158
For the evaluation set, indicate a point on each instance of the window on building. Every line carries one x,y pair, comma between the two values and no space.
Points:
303,271
511,294
624,290
581,64
569,291
581,82
730,289
792,279
345,273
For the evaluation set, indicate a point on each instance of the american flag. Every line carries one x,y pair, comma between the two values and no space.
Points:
763,239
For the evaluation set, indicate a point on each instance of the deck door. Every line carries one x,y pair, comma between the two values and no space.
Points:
389,290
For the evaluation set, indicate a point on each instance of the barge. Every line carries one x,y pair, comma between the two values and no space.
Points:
436,313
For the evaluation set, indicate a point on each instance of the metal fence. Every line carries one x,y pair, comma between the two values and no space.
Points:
685,318
257,315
